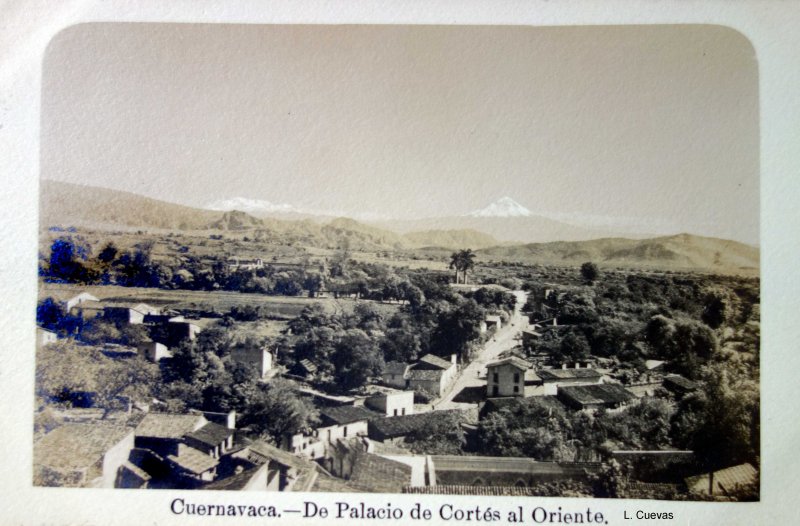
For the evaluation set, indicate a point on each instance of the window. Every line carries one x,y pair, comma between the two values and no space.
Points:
494,378
395,412
516,378
516,389
495,390
345,431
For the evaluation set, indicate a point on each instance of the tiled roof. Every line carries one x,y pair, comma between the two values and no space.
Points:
327,483
725,480
424,374
496,404
136,470
346,414
380,475
259,452
680,382
193,461
395,368
308,366
211,434
512,360
74,446
489,491
567,374
432,360
594,394
168,425
444,463
235,482
397,426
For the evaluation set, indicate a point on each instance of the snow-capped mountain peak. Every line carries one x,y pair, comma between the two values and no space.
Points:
250,206
503,207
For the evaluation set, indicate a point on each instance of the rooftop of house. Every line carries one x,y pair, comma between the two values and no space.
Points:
193,461
489,491
74,446
511,360
168,425
433,361
395,368
595,394
653,364
549,402
680,381
211,434
235,482
330,484
425,374
494,318
397,426
380,475
260,452
509,465
567,374
346,414
725,480
308,365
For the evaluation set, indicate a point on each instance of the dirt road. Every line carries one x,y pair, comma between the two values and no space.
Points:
474,375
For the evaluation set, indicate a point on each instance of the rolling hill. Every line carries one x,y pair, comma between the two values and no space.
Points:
64,204
682,251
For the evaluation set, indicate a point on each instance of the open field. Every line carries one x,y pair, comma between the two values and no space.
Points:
220,301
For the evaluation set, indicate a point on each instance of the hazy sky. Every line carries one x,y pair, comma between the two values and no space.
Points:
655,125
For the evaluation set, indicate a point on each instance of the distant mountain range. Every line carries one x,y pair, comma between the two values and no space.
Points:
488,231
682,251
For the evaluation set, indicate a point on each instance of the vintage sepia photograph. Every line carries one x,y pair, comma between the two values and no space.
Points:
411,259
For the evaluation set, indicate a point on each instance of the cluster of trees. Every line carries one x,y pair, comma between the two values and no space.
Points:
349,350
546,432
200,375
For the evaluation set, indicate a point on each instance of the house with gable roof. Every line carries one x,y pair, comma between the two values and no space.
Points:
506,377
432,374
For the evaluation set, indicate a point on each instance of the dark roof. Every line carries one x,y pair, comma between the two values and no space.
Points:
74,446
606,394
512,360
193,461
424,374
680,382
260,452
308,366
476,464
429,360
725,480
397,426
328,483
346,414
567,374
496,404
167,425
211,434
377,474
395,368
235,482
489,491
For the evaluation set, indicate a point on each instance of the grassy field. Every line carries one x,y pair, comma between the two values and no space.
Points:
221,301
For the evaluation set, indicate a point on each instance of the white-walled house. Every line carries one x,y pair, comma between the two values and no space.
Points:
506,377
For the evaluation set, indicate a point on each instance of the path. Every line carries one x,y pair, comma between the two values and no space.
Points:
474,375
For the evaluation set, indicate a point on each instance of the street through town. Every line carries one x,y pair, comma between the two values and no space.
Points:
474,375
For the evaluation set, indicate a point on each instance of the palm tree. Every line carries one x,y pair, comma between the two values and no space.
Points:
455,263
462,261
467,262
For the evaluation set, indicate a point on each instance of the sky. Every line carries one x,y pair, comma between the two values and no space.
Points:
626,125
